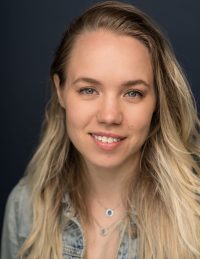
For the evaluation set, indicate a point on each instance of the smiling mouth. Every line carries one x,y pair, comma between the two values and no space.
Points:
107,139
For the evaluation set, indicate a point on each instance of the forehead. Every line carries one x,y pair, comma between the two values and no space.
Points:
109,55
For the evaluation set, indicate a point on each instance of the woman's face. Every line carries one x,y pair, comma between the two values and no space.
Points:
109,98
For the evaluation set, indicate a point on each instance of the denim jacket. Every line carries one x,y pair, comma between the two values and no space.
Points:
17,226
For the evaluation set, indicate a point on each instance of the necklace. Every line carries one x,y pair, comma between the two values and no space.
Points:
109,212
104,231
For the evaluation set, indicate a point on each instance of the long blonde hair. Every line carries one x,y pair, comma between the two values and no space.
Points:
167,204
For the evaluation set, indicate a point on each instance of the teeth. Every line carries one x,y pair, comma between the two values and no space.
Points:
105,139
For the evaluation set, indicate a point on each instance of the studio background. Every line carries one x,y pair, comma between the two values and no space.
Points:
30,33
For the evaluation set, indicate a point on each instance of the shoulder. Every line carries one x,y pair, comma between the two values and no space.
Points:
19,192
17,219
19,206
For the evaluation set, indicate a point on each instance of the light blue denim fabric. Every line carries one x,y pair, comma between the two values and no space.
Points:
17,226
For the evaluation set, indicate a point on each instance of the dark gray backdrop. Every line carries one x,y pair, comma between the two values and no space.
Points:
30,33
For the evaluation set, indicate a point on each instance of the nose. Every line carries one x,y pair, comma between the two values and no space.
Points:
110,112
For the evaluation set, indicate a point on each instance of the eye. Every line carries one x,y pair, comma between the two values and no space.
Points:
133,94
87,91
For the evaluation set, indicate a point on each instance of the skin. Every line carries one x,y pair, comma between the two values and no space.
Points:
106,103
108,106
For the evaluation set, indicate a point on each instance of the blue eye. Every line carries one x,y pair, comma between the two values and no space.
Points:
87,91
134,94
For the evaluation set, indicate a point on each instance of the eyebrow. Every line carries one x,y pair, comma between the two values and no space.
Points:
125,84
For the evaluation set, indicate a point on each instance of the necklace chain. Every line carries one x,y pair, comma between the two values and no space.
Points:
104,231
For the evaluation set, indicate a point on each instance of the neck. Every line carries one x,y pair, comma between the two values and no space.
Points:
110,184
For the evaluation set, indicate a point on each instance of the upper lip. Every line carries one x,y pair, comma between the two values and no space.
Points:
106,134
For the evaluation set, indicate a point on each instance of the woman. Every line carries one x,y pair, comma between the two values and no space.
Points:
116,172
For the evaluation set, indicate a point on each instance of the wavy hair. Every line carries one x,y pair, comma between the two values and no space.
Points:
167,204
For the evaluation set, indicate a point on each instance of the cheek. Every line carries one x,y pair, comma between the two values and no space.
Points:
74,119
77,115
143,113
140,122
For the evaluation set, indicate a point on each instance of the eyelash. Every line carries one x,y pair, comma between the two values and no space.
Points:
136,93
92,91
85,89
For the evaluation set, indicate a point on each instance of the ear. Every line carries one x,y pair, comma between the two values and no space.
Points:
59,90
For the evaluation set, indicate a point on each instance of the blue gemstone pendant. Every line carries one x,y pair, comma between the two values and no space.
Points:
109,212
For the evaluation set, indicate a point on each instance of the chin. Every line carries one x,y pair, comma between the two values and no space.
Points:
105,164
